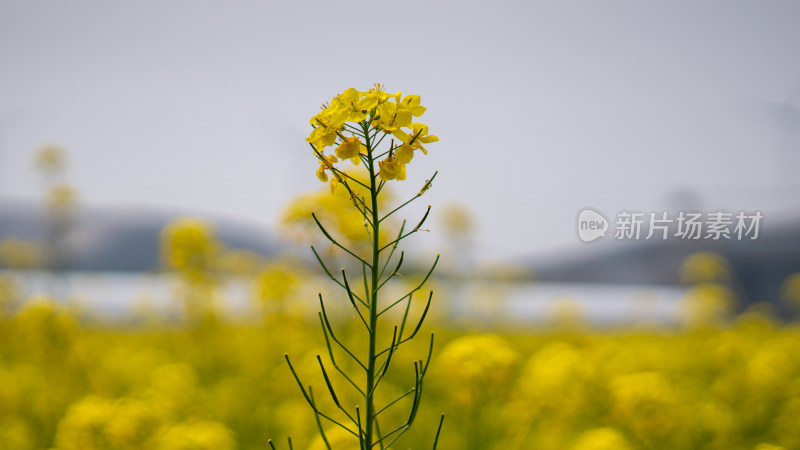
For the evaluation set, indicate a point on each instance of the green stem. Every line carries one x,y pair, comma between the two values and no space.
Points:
373,304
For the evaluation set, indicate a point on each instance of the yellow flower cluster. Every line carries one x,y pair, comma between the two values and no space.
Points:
335,212
188,245
475,363
60,198
50,159
19,254
363,115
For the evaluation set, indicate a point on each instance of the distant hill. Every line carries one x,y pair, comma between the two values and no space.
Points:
123,239
759,266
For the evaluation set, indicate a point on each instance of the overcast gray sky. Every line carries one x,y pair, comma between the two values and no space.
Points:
541,108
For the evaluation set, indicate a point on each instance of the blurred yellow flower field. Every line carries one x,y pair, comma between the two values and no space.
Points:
67,383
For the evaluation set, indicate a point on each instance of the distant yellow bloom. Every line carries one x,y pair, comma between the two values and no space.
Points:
601,439
707,304
9,295
50,158
790,290
338,439
189,245
16,433
480,360
18,254
335,211
557,367
196,435
769,447
239,262
41,319
646,401
457,219
97,423
61,197
702,267
275,283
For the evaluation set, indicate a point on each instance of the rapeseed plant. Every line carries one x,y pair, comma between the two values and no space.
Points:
356,123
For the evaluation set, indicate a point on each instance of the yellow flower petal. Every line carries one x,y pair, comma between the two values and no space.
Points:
403,118
429,139
321,174
349,95
404,154
400,134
